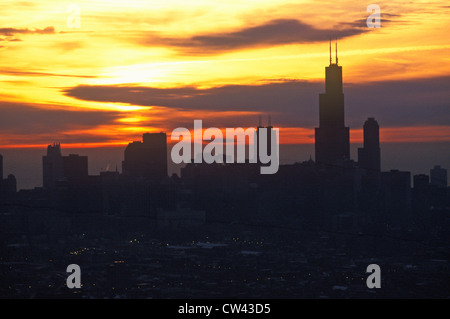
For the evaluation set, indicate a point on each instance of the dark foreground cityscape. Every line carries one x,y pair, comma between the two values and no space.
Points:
227,231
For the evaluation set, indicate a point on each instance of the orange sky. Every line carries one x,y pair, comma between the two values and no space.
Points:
203,45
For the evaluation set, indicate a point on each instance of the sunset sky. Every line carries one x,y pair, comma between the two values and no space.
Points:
140,66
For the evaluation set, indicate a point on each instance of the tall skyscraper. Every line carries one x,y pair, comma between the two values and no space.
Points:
52,164
147,159
369,156
332,137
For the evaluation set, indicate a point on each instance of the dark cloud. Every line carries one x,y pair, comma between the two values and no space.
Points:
386,19
12,31
10,34
398,103
285,97
29,119
275,32
295,103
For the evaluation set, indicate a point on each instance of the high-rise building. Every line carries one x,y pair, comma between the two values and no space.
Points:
147,159
369,156
58,168
75,167
438,176
52,164
332,137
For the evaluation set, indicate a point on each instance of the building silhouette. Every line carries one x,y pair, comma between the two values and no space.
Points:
328,219
332,137
438,176
58,169
52,166
8,186
421,182
147,159
369,157
75,167
396,189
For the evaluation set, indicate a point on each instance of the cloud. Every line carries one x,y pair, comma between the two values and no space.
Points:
400,103
386,19
290,97
9,34
272,33
13,31
15,72
292,103
30,119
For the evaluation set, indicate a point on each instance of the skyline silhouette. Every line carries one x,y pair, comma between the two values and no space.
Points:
332,138
93,97
224,230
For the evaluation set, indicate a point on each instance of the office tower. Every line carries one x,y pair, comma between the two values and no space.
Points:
147,159
52,164
75,167
332,137
369,155
438,176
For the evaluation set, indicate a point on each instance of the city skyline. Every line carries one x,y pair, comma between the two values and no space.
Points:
150,158
268,155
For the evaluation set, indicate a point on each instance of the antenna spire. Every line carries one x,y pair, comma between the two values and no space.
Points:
336,53
331,61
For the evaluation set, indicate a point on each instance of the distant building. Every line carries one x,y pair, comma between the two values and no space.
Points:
8,186
332,137
438,176
421,182
396,187
58,168
52,166
369,157
147,159
75,167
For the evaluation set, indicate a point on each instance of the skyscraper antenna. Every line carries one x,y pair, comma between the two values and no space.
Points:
336,53
331,61
270,120
260,121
